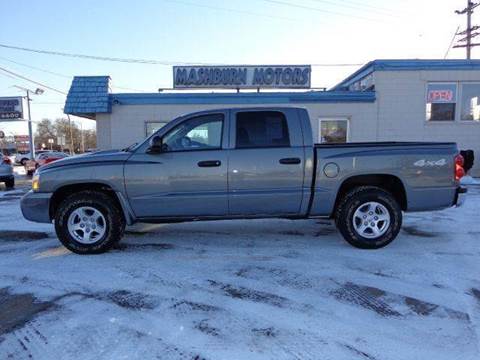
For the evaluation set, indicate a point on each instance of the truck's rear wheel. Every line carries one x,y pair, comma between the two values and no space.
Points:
368,217
89,222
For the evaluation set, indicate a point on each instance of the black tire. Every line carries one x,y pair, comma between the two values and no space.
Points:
115,221
353,200
10,183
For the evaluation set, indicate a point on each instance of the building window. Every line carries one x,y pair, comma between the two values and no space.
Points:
365,84
333,131
470,102
441,101
153,126
260,129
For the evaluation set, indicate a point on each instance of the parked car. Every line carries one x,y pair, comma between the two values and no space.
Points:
6,172
42,159
243,163
22,157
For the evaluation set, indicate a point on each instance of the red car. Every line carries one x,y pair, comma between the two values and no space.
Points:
42,159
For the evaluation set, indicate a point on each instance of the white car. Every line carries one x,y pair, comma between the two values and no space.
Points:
6,172
23,158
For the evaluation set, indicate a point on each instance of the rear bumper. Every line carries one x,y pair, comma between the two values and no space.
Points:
460,196
36,206
4,178
31,166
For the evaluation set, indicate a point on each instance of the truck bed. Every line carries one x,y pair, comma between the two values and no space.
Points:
425,171
383,143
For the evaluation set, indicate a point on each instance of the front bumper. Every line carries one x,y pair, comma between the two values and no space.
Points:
460,196
36,206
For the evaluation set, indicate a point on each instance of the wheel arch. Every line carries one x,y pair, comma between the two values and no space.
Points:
388,182
64,191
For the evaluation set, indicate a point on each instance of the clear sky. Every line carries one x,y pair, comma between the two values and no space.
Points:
212,31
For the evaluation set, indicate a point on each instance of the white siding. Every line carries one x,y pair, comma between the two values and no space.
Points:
128,121
397,115
402,114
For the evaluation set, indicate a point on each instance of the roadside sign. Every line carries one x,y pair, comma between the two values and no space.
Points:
22,147
21,138
11,108
50,141
242,77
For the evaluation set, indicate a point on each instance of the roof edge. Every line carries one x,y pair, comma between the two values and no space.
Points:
242,98
407,64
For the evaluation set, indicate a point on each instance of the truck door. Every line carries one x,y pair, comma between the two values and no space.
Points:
188,177
266,163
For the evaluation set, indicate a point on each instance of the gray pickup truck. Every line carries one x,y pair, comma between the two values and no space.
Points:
243,163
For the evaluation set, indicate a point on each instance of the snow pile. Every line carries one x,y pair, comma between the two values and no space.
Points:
247,289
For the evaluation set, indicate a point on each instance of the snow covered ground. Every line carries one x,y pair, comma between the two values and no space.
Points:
269,289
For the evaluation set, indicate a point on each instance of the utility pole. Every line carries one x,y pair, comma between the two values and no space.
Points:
471,31
72,151
83,138
30,131
38,91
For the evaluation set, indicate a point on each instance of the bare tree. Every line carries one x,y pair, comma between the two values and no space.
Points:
46,129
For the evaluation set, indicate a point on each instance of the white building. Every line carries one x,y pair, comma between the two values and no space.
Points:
386,100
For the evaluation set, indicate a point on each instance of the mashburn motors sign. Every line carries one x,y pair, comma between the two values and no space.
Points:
11,108
242,77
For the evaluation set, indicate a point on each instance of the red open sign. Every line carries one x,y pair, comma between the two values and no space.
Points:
440,96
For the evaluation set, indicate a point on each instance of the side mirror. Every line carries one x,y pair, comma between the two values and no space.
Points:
155,145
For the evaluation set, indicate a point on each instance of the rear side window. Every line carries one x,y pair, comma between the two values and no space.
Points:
261,129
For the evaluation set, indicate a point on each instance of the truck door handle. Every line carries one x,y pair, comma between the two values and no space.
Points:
290,161
209,163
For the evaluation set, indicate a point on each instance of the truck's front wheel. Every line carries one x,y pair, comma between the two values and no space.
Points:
368,217
89,222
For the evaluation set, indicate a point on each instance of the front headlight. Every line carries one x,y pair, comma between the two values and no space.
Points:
36,182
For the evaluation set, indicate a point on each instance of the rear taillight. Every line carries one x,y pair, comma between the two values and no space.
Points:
459,170
6,160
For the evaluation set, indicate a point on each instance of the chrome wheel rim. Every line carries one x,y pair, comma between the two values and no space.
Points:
86,225
371,220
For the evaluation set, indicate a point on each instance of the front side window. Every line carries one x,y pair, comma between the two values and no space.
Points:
333,131
198,133
470,102
441,102
260,129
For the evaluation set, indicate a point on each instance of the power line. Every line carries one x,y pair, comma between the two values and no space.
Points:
128,88
49,103
245,12
284,3
145,61
367,5
339,65
451,42
102,58
9,76
32,81
60,75
36,68
362,7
